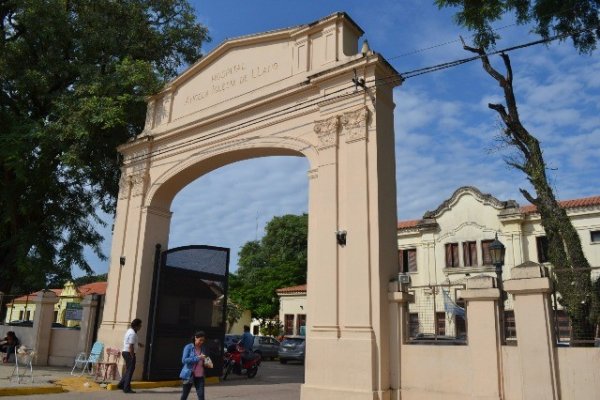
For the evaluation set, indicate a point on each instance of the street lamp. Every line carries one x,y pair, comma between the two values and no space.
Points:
497,250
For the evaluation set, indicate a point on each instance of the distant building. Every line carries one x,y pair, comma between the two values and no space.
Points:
23,308
452,242
438,252
292,309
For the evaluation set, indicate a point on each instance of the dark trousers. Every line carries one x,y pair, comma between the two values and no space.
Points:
198,384
125,382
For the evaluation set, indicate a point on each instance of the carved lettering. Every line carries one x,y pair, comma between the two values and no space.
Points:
231,77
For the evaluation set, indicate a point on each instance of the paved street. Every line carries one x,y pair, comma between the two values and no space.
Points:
273,382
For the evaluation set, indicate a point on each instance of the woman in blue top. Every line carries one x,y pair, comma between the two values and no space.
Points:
192,372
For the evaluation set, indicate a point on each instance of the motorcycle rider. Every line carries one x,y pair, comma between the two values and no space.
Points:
247,343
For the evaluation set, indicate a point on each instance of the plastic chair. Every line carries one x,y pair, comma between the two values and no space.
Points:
110,366
23,360
89,361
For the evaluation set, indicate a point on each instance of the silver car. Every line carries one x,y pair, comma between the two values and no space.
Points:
266,346
293,348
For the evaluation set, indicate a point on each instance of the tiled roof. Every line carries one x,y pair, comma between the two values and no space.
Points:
31,296
574,203
93,288
292,289
408,224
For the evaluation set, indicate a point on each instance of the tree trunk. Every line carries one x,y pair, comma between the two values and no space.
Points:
571,273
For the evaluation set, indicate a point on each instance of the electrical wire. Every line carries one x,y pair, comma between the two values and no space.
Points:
386,80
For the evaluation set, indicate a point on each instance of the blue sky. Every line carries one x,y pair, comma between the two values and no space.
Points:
446,136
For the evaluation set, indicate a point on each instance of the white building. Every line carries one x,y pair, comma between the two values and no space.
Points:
452,242
292,309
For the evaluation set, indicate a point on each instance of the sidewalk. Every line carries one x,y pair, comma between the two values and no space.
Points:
43,380
59,379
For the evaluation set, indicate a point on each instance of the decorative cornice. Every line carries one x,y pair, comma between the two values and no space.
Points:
327,131
486,199
355,124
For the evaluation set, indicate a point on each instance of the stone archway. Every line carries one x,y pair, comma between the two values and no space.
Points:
284,92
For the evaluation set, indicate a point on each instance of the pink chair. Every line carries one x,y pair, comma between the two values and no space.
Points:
109,367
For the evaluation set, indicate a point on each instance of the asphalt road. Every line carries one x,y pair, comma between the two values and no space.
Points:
274,381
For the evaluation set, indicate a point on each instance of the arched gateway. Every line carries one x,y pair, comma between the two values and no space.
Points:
285,92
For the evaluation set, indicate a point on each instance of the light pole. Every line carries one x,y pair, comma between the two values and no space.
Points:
497,251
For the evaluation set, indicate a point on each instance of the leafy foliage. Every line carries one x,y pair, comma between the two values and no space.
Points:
271,327
577,19
75,75
278,260
234,313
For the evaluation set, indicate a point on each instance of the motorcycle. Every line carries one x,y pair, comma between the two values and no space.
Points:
233,362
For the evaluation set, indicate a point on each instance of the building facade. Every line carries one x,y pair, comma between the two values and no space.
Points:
292,309
69,303
440,251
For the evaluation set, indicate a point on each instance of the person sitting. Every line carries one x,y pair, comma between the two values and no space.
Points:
8,345
247,343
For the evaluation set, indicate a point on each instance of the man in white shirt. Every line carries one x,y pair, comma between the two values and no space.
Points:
130,341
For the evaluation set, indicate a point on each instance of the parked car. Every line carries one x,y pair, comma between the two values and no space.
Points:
266,346
231,339
20,322
292,348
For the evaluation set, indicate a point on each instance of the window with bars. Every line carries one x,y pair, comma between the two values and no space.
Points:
288,324
470,254
542,248
485,252
413,324
300,322
440,323
408,260
452,255
510,327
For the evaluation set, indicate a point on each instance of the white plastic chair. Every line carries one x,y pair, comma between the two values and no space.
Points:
88,361
23,361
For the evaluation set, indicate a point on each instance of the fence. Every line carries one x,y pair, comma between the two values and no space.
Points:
438,315
576,315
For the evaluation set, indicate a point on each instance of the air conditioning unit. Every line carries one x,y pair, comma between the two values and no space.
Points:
403,278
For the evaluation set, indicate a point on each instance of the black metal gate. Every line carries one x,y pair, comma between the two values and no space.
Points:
189,293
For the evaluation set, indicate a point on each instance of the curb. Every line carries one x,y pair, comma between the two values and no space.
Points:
153,385
21,391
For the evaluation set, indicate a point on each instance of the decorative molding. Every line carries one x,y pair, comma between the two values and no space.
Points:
138,183
150,115
124,186
486,199
327,131
355,124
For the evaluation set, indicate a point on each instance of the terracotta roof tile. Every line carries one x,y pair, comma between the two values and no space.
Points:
574,203
292,289
93,288
408,224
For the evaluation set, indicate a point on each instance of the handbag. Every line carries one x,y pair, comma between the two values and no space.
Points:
208,362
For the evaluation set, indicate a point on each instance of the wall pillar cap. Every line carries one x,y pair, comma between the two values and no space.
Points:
529,270
481,282
401,297
46,297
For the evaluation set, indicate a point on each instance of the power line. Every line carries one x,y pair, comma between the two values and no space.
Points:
386,80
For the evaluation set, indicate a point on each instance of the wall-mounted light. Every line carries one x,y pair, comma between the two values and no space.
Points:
122,261
341,237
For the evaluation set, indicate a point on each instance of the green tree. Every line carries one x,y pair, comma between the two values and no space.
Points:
234,313
74,77
277,260
577,19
